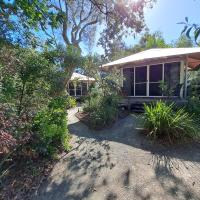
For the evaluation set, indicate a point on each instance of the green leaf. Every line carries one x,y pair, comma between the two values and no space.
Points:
196,33
185,28
188,32
181,23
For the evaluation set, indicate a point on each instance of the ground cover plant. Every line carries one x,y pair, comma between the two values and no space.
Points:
164,122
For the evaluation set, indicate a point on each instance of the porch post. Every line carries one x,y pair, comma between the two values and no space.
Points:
186,77
147,92
75,89
81,88
87,86
163,75
134,82
68,88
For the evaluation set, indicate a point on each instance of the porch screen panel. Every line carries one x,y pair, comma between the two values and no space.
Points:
155,78
84,88
172,78
78,89
71,89
141,81
128,83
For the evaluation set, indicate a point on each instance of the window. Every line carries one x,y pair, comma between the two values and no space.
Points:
168,72
84,88
78,89
155,77
128,84
141,81
172,77
71,89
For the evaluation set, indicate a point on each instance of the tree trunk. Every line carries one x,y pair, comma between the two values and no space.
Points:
69,69
21,99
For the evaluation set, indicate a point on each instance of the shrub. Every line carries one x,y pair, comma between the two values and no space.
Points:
102,100
193,106
71,102
102,110
50,125
162,122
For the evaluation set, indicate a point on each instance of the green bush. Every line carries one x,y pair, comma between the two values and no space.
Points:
102,110
193,106
71,102
50,125
162,122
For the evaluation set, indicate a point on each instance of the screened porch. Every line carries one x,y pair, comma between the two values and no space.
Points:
156,80
78,89
79,85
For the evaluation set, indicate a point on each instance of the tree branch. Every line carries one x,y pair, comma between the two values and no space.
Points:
84,27
55,7
64,31
100,7
77,28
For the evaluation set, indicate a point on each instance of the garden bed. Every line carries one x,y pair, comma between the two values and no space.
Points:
85,118
24,178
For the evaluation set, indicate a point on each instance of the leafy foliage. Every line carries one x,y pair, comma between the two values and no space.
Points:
190,29
102,102
147,41
71,102
194,86
77,21
183,41
51,125
102,110
193,107
27,88
162,122
23,78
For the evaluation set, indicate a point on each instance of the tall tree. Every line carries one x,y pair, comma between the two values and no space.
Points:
183,41
153,40
147,41
71,21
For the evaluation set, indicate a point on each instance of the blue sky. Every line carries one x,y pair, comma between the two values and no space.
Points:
164,17
167,13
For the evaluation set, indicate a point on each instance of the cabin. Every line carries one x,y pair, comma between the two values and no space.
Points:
155,74
79,85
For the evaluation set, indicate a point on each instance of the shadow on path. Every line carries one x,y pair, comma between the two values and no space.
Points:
119,163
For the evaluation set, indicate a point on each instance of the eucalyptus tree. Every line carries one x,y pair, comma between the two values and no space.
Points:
71,22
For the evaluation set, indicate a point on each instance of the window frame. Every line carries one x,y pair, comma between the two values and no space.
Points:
148,81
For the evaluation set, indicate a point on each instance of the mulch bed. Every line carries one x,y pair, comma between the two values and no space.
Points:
24,178
85,118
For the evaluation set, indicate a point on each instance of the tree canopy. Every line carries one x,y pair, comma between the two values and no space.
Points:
72,22
183,41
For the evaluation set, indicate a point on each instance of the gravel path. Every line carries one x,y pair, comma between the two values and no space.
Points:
119,163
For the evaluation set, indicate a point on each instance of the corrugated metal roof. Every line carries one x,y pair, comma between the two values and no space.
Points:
81,77
153,54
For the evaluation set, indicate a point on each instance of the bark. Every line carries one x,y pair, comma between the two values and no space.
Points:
21,99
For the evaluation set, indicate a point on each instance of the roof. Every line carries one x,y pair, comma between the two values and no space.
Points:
80,77
154,54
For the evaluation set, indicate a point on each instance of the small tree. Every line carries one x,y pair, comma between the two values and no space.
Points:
24,77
